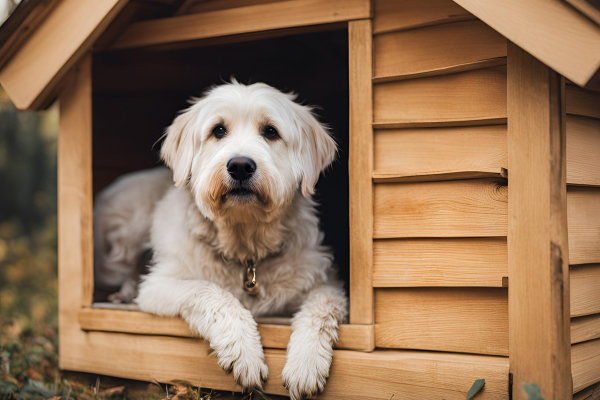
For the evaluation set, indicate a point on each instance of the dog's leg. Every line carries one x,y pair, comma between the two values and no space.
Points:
215,315
314,333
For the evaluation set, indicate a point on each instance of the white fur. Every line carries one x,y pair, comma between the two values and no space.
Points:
122,219
201,235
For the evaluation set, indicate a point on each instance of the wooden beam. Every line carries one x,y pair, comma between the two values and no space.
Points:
538,256
62,38
75,209
241,20
550,30
369,376
275,336
360,165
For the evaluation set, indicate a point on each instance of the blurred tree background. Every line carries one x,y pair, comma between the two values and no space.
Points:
28,272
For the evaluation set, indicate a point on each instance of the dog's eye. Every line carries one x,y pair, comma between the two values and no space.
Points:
270,133
219,131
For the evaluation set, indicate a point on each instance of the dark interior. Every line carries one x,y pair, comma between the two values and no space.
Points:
137,93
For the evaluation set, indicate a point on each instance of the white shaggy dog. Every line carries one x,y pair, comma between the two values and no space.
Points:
239,236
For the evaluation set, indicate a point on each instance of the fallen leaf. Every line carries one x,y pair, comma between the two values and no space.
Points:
475,388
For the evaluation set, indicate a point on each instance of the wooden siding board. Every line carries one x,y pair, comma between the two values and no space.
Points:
436,50
585,290
584,224
448,262
583,150
394,15
467,208
478,95
403,153
585,363
468,320
585,328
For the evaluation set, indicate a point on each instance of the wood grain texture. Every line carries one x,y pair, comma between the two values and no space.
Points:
75,177
360,170
588,8
584,224
585,364
585,290
468,208
466,320
370,376
585,328
437,50
538,253
273,335
583,148
550,30
75,241
61,39
583,102
394,15
23,29
241,20
589,393
447,262
478,95
406,153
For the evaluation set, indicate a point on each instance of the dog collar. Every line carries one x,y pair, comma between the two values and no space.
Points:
250,283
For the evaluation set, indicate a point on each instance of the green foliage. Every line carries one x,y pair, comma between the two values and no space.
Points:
532,390
475,388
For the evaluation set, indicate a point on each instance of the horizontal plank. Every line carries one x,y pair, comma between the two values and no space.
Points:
445,262
582,102
585,364
585,328
241,20
583,214
468,208
466,320
405,153
583,150
394,15
590,392
473,96
436,50
439,176
273,335
368,376
585,290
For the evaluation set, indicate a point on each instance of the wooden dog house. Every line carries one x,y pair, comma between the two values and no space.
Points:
473,189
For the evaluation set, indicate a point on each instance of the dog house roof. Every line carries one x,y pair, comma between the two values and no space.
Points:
43,39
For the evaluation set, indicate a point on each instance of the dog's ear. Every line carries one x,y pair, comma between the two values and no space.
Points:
177,150
318,152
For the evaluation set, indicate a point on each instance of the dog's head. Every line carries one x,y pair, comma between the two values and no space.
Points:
244,151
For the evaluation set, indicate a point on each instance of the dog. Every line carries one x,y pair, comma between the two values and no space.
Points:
238,236
122,220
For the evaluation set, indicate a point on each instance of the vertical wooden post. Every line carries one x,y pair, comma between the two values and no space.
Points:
75,241
360,165
538,256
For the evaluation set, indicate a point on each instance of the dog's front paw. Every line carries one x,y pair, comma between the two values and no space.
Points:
239,351
307,369
249,369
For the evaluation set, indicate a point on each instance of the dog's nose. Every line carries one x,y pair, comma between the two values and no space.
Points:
241,168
